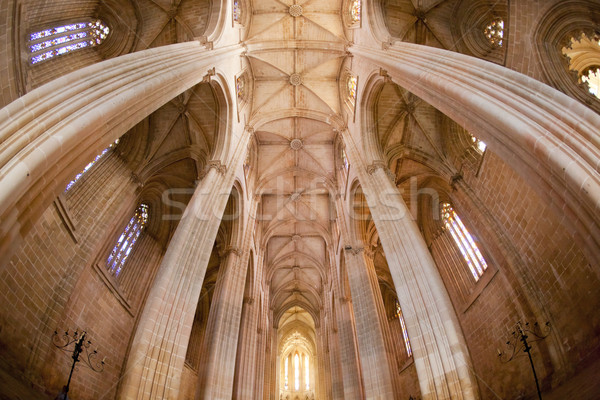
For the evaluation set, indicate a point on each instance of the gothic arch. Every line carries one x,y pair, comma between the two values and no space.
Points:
563,21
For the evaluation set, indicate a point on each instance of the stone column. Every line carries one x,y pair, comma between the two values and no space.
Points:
157,353
440,353
48,135
347,341
371,347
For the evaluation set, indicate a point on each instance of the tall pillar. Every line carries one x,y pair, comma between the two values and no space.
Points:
157,353
440,353
347,343
371,347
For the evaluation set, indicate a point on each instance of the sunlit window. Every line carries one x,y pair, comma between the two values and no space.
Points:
351,85
296,372
90,165
287,362
494,32
306,372
127,240
404,331
479,144
345,162
49,43
240,86
355,11
464,241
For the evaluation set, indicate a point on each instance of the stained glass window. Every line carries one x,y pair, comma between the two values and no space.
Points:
90,165
355,11
127,240
237,12
494,32
296,372
240,87
592,77
49,43
352,82
306,372
464,241
404,331
345,162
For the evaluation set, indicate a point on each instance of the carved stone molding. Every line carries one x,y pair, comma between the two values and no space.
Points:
217,165
381,165
295,10
248,300
209,74
230,250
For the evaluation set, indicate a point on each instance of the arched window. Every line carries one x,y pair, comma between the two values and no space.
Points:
49,43
240,87
479,144
404,331
584,57
306,372
90,165
494,32
296,372
464,241
287,362
355,11
351,86
127,240
345,162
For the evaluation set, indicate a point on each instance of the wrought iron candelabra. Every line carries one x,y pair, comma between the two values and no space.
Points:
522,338
76,344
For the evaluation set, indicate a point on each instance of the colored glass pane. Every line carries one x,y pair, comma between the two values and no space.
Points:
90,165
127,240
494,32
352,82
296,372
355,11
306,372
404,331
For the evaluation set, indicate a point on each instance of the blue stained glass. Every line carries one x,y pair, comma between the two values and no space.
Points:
90,165
127,240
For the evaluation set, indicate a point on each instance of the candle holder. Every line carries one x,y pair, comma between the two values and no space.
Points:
76,344
519,341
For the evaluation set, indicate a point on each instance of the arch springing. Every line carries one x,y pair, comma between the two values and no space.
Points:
127,240
464,241
49,43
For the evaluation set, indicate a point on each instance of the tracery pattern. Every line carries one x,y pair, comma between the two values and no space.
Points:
494,32
464,241
53,42
127,240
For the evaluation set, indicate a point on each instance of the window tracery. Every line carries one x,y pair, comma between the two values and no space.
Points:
237,11
127,240
296,372
479,144
404,331
464,241
49,43
90,165
494,32
240,87
583,54
306,372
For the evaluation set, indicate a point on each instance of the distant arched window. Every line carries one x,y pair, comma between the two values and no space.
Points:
90,165
127,240
49,43
306,372
296,372
404,331
494,32
287,362
464,241
355,11
479,144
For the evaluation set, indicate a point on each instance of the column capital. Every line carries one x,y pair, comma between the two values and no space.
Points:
229,250
209,74
217,165
372,168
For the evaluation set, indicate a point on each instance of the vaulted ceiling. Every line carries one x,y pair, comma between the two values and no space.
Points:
295,53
